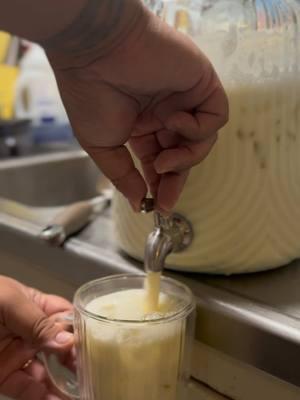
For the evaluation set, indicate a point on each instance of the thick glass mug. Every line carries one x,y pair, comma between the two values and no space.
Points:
119,359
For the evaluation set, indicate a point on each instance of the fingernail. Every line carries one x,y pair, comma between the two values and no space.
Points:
63,337
164,211
135,207
160,170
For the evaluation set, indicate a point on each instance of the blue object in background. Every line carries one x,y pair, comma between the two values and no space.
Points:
51,132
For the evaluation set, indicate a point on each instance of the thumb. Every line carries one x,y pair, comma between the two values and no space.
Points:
25,319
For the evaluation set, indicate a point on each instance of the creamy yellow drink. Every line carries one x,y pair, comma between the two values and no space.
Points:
134,360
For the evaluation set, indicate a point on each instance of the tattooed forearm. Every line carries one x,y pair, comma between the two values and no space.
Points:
71,26
98,25
97,19
38,19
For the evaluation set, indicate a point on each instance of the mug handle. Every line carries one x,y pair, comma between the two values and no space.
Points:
64,380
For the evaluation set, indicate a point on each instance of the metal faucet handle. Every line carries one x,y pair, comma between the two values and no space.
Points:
177,227
147,205
171,233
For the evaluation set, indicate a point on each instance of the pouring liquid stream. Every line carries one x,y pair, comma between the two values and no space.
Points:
152,291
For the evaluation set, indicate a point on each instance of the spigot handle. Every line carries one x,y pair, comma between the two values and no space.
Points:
171,233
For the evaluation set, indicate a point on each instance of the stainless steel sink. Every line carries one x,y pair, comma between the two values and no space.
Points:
49,180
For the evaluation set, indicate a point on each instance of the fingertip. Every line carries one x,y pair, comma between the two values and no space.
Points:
136,206
133,187
159,166
164,210
136,196
118,166
170,188
165,206
52,397
63,340
163,162
173,160
184,124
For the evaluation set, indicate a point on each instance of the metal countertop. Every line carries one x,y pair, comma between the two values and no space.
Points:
253,318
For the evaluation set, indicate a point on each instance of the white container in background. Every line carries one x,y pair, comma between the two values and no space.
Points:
37,95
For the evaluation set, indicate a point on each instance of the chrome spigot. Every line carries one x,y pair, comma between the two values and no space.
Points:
171,234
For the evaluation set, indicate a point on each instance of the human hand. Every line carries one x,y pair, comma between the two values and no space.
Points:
151,88
27,325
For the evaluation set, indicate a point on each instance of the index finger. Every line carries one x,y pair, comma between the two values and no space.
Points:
117,164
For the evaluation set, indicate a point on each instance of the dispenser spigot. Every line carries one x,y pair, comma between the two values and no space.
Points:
171,234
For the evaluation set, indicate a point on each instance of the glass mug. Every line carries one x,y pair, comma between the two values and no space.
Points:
145,359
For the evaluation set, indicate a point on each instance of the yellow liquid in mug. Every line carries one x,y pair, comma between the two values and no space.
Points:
133,361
